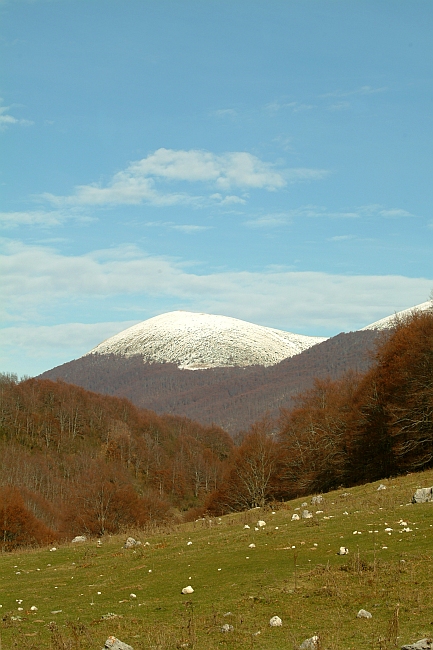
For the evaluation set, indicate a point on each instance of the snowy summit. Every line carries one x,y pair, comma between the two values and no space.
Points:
388,321
197,341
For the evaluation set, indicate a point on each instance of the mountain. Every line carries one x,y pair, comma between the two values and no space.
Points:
196,341
162,372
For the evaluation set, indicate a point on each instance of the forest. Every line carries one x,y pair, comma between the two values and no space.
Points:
74,462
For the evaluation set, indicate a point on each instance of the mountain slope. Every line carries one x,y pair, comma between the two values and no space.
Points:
195,341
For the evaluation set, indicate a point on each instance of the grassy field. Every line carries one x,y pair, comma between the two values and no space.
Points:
293,572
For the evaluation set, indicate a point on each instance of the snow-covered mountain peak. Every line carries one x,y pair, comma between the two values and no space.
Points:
388,322
196,341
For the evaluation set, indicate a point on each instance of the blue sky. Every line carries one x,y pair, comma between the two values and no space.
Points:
270,161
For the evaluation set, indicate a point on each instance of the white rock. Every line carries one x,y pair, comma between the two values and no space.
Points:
33,608
53,549
114,644
312,643
261,523
275,621
188,543
381,487
317,500
252,546
188,590
131,542
423,495
306,514
343,551
295,517
363,614
79,538
133,595
227,628
246,527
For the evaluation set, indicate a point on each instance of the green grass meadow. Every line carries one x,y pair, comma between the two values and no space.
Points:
293,572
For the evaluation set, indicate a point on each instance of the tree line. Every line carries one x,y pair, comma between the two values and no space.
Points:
74,462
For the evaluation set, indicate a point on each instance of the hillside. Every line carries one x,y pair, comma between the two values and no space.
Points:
233,398
241,578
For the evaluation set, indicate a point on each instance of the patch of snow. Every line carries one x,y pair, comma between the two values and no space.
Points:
388,321
195,341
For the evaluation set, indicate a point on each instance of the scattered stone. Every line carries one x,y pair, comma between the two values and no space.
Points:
295,517
363,614
114,644
381,487
133,596
261,523
275,621
424,644
246,526
110,616
56,611
252,546
423,495
53,549
227,628
189,543
79,538
188,590
317,500
312,643
33,608
304,505
306,514
130,543
343,551
228,614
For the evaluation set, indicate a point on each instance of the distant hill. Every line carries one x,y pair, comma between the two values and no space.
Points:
233,397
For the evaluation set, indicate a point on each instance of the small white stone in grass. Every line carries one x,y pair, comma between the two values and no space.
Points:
188,590
343,551
293,546
384,548
150,570
295,517
319,512
276,527
18,573
246,526
345,512
388,530
315,544
53,549
188,543
275,621
312,643
261,523
363,614
304,505
252,546
227,628
20,609
99,593
248,557
219,569
274,513
256,528
381,487
131,595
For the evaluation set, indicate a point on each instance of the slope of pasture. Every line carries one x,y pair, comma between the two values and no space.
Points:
84,593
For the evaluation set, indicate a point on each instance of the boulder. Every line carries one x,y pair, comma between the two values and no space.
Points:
317,500
363,614
131,542
424,644
227,628
79,538
261,523
306,514
275,621
312,643
295,517
114,644
423,495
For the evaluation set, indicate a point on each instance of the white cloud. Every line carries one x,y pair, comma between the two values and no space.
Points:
6,119
35,278
268,221
186,228
225,112
363,90
396,212
296,107
138,182
341,237
46,218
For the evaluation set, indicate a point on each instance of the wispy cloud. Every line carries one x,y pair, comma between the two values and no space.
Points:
341,237
224,112
185,228
6,119
138,182
33,277
363,90
295,107
44,218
